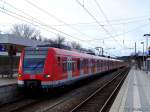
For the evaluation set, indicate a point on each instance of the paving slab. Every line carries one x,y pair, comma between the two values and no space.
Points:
134,95
8,81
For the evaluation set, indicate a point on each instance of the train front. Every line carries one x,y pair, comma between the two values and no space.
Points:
32,67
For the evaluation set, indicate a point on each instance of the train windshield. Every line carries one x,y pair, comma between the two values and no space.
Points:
34,61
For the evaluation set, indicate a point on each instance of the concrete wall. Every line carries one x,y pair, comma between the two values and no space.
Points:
9,93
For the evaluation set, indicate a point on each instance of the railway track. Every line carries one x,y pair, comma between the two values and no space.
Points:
59,102
102,98
72,102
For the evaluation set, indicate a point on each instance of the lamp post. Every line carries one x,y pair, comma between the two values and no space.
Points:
146,35
143,54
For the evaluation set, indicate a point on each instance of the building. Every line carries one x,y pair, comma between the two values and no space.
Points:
9,42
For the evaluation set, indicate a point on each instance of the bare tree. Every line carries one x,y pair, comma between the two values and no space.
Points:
90,51
40,38
76,45
59,40
25,31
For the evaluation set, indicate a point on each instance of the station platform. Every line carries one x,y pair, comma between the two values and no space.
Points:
8,81
134,95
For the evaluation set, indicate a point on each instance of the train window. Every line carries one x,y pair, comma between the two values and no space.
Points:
78,64
64,67
81,64
59,61
97,64
102,63
93,63
84,63
87,64
73,66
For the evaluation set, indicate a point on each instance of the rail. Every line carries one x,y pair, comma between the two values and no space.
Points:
90,104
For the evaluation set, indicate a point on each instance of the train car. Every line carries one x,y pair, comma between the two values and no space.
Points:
47,67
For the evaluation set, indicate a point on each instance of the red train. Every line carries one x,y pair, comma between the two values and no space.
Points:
52,67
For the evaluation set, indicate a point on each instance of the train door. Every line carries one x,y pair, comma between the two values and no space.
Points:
90,65
81,66
69,67
96,66
108,65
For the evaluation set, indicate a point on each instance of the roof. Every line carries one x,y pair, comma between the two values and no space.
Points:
12,39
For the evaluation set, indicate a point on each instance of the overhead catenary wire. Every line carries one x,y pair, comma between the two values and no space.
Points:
73,37
23,18
134,29
54,17
8,13
94,18
36,18
33,21
74,23
27,15
106,18
100,25
93,23
86,23
115,22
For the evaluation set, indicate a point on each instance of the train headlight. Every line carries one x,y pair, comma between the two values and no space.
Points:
47,76
19,75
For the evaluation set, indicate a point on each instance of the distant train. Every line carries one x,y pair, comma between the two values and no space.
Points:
47,67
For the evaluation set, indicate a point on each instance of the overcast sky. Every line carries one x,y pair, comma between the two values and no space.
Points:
113,24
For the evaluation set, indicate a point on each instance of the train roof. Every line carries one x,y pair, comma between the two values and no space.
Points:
78,54
71,53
